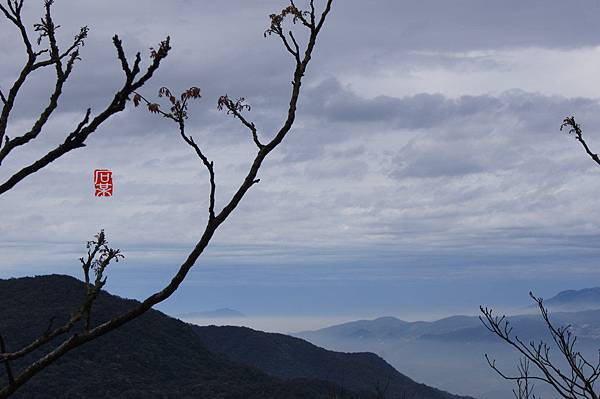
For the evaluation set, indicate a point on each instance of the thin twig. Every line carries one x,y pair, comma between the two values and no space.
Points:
575,128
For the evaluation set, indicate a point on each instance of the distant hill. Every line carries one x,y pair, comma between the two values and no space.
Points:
585,324
154,356
390,328
442,352
224,313
575,300
289,358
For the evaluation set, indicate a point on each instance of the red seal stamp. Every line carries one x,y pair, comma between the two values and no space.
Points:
103,183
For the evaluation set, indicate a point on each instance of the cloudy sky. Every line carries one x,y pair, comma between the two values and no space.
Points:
425,175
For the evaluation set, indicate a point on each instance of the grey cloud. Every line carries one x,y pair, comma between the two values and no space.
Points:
505,133
424,111
376,178
471,24
225,61
420,111
436,161
347,168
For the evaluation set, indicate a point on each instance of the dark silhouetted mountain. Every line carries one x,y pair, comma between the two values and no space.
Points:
154,356
289,358
224,313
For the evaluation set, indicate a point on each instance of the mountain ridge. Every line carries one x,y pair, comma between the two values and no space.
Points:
153,356
575,300
442,352
289,357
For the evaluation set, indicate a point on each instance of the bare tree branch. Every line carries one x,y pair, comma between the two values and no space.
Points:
177,113
13,13
577,383
235,108
76,139
99,257
47,29
575,129
7,366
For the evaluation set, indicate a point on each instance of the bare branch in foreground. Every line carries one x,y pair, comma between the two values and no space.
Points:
314,24
575,129
235,108
99,256
575,383
63,63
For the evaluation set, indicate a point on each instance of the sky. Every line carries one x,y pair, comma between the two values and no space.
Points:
425,174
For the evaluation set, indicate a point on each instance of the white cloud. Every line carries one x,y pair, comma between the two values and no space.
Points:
569,72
